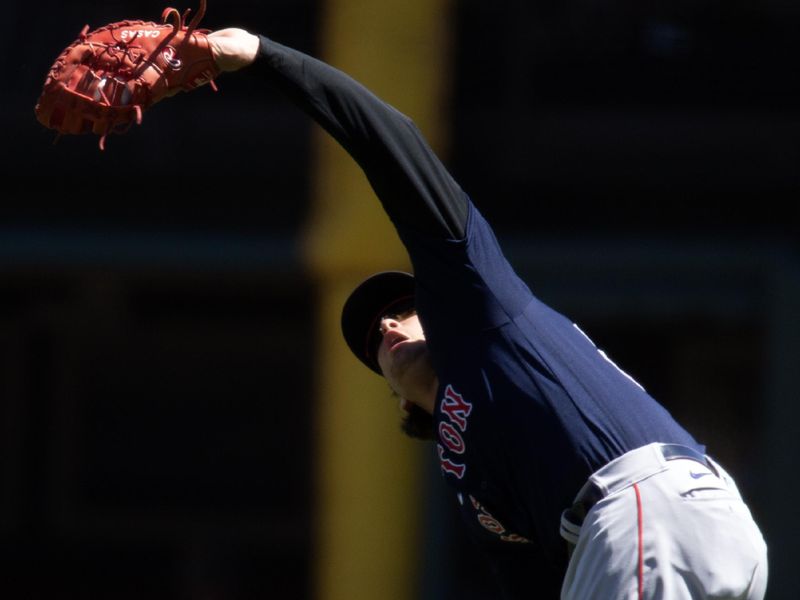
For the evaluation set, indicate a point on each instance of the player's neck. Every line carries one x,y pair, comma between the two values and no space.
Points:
424,394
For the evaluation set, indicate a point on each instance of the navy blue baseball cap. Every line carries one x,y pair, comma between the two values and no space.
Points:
381,294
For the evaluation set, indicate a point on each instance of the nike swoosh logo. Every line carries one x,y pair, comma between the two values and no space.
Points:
698,475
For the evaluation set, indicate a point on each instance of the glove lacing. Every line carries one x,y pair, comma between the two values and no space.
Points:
178,22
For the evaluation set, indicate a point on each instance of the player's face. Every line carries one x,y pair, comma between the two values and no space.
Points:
404,361
402,347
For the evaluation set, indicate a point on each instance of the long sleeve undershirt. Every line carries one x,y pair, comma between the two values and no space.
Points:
410,181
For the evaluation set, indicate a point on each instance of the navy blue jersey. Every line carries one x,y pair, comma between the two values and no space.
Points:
527,406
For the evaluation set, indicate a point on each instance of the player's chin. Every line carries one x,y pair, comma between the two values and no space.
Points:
418,424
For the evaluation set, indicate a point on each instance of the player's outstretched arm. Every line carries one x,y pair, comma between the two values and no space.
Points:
409,179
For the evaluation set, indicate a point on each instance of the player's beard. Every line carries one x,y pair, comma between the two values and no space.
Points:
418,423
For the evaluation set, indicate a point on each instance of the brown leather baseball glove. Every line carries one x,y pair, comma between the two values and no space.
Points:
104,80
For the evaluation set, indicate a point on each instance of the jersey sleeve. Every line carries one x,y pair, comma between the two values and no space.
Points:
410,181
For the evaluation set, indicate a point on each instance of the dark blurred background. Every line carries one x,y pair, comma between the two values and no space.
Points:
639,163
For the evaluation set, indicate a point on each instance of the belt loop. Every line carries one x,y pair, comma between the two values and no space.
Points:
679,451
626,469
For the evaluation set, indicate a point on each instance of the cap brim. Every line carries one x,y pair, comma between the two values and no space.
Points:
370,300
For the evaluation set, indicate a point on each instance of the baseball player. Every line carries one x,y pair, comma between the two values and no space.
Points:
563,466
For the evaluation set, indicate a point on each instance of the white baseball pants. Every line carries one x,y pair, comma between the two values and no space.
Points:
666,530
